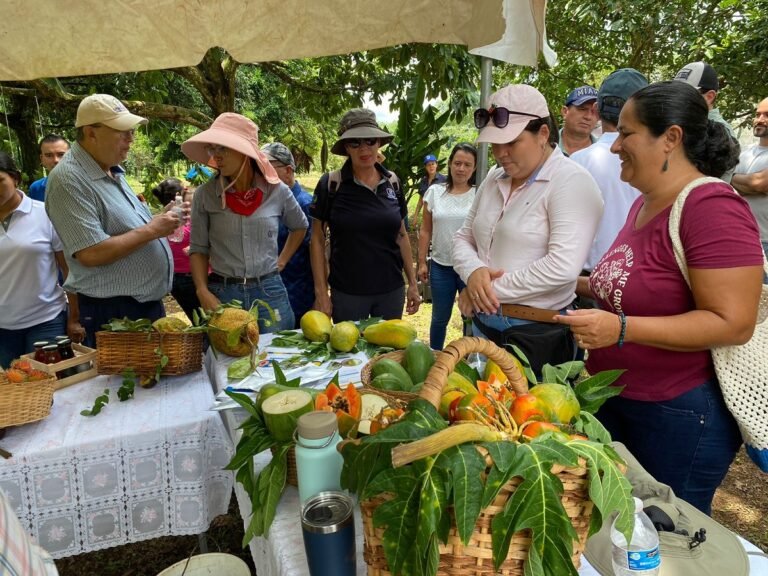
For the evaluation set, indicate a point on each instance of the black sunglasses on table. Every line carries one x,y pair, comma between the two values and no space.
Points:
356,142
500,116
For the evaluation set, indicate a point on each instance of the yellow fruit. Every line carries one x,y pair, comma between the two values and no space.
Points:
560,399
392,333
492,368
344,336
316,326
169,324
233,332
458,382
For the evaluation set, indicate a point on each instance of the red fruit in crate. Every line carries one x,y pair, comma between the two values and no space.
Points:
38,375
22,364
16,375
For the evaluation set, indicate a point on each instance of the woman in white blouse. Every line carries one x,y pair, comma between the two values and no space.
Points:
528,232
446,207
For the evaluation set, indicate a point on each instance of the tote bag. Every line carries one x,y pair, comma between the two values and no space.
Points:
741,370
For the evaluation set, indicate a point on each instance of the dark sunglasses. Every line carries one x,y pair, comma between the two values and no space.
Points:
356,142
500,116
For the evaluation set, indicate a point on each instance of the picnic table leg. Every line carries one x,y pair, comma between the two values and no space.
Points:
202,542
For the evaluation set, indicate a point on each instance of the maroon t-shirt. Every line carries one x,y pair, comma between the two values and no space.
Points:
640,277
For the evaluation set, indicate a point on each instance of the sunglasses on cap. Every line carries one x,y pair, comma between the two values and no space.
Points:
356,142
499,116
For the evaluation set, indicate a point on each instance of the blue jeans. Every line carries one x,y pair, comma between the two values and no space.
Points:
14,343
688,442
271,290
445,284
94,312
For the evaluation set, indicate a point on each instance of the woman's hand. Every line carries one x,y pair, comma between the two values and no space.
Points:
413,299
466,305
323,303
480,290
592,328
423,272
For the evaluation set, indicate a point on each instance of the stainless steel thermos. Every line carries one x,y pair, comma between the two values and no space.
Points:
329,534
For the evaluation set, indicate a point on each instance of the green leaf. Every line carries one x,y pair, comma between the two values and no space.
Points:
562,373
255,442
592,427
245,402
503,455
98,404
240,368
527,370
466,466
469,372
592,392
233,336
267,489
400,517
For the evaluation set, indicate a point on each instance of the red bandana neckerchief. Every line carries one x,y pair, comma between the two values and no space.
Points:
244,202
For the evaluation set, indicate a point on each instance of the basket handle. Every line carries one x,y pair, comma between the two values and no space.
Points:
432,390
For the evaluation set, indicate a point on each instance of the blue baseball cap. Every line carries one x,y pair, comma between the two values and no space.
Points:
580,95
429,158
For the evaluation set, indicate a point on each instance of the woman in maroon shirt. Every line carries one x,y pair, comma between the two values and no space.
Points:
671,414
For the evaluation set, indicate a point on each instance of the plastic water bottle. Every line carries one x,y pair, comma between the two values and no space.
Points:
178,234
318,462
641,556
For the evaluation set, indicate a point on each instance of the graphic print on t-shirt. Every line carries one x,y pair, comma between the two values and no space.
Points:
610,277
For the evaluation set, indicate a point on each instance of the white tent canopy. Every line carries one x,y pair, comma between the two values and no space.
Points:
42,38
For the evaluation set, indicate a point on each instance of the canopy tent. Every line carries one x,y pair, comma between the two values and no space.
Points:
43,39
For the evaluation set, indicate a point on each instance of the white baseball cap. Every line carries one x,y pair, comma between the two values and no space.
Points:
107,110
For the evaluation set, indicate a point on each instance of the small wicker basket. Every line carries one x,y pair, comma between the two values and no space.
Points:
22,403
476,557
136,350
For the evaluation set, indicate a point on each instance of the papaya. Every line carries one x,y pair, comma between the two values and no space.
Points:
388,382
389,366
534,429
446,400
469,404
528,407
392,333
560,400
282,410
418,360
316,326
458,382
344,336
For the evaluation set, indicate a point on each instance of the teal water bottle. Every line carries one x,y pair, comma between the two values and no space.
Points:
318,462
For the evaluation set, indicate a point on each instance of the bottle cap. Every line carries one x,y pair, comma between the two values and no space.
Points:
316,425
51,347
40,343
64,341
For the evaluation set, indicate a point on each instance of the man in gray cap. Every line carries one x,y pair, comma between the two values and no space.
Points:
703,77
604,166
119,260
297,274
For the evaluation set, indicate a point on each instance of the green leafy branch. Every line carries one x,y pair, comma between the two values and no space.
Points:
99,403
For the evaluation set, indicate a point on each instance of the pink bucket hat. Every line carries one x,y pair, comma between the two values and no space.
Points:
521,98
235,132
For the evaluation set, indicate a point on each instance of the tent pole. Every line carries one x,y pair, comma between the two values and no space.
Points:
486,77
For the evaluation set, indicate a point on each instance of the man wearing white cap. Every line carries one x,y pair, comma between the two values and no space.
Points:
119,260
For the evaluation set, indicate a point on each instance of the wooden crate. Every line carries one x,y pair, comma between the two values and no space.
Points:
84,356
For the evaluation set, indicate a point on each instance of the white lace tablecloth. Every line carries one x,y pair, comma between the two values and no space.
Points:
148,467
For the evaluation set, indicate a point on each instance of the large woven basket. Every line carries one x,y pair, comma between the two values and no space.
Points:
136,350
22,403
476,558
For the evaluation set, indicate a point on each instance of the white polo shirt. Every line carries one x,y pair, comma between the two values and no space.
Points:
539,234
29,290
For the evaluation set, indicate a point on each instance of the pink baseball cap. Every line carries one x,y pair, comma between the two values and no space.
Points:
524,103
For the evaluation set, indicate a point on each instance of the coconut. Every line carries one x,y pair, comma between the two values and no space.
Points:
230,321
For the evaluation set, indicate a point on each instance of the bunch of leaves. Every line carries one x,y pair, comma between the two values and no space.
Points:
101,401
423,499
266,487
124,392
128,325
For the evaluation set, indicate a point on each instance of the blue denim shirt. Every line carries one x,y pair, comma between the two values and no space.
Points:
297,274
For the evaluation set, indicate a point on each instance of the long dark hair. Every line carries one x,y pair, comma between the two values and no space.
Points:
463,147
8,166
167,190
554,133
707,144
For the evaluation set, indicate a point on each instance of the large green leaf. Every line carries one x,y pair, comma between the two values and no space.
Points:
592,427
592,392
267,488
466,466
400,517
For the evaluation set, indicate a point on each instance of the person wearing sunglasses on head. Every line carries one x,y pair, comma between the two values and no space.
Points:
120,263
364,209
528,232
235,221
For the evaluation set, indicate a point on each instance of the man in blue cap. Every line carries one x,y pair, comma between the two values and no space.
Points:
431,176
579,119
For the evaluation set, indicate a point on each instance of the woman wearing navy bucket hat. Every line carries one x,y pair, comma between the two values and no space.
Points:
528,232
363,207
235,218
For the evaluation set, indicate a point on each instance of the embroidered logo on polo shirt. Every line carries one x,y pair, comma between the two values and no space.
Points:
391,193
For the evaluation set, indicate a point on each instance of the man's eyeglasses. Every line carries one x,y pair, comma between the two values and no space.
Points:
356,142
216,150
499,116
123,133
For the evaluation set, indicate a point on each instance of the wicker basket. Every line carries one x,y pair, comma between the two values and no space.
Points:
136,350
24,402
291,477
365,375
476,558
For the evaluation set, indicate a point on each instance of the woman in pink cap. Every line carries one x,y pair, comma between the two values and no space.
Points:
235,218
523,243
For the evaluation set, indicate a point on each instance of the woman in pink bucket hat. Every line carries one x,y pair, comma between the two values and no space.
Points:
235,218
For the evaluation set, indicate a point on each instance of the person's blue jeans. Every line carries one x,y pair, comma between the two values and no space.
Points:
688,442
95,312
14,343
445,284
271,290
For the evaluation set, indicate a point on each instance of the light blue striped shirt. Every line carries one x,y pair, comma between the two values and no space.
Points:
87,207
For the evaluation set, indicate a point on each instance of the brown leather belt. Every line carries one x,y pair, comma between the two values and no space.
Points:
529,313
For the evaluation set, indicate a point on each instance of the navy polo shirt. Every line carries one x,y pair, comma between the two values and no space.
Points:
364,224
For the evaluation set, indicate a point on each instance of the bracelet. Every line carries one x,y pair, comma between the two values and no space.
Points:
623,331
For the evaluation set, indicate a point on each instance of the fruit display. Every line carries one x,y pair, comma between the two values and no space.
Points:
316,326
395,334
21,371
488,453
344,336
282,410
233,331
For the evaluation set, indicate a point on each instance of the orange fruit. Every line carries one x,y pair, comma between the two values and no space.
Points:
16,375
